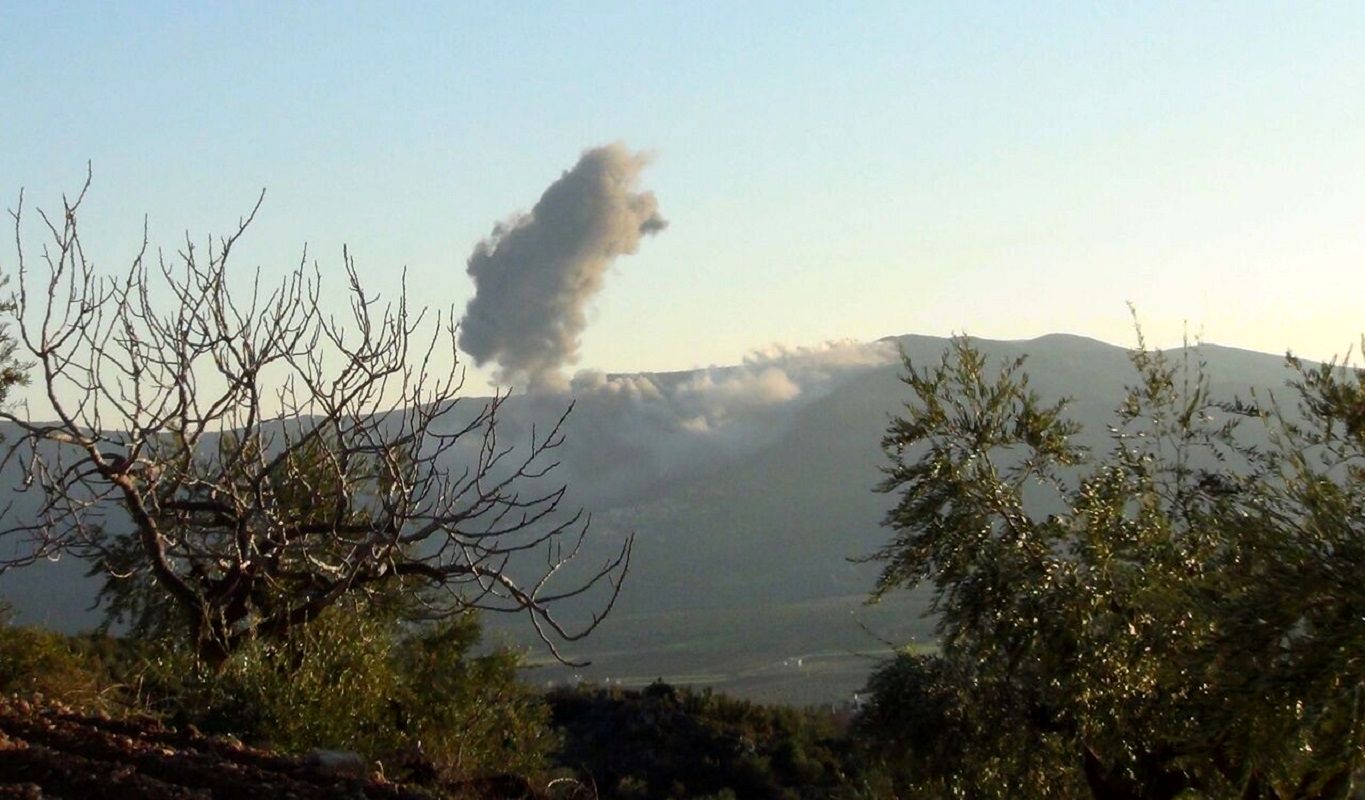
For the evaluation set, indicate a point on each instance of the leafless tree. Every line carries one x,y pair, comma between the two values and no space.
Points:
252,460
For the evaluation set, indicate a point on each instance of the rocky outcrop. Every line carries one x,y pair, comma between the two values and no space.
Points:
50,751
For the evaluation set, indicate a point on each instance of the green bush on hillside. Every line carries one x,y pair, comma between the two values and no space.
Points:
415,699
36,662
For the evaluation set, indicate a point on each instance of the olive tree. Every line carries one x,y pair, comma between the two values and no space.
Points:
244,459
1189,619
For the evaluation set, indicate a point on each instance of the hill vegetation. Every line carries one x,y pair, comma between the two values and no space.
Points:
421,715
1177,615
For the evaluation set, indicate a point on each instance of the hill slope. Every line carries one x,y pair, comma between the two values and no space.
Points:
744,576
750,489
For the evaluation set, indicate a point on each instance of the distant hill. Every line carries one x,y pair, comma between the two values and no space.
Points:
745,568
749,489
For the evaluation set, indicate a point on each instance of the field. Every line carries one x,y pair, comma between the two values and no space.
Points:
800,653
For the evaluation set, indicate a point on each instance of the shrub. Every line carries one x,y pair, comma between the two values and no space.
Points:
414,698
676,743
470,713
39,662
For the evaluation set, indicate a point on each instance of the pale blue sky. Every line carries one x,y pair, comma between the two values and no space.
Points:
829,170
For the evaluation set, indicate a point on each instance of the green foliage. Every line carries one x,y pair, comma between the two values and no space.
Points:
13,372
415,699
325,687
665,742
313,494
361,675
39,662
470,713
1187,618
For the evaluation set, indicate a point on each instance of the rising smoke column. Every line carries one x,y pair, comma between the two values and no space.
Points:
534,275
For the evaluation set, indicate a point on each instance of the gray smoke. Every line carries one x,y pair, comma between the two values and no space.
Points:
534,275
630,434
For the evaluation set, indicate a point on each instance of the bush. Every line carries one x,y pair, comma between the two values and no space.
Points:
39,662
665,742
471,714
415,699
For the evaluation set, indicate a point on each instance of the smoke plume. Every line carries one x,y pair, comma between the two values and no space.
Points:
630,434
535,274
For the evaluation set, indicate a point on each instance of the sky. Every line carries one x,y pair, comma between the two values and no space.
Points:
827,171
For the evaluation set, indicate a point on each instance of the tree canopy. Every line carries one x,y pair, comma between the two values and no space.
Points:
1182,611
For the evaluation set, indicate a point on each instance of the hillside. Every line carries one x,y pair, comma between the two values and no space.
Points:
750,489
744,576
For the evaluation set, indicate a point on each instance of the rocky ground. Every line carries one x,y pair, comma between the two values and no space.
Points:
50,751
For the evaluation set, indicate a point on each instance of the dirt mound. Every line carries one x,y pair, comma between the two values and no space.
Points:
48,751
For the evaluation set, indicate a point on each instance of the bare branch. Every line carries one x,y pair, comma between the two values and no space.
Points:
240,461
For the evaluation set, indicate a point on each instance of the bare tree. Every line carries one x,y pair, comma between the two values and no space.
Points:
254,460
